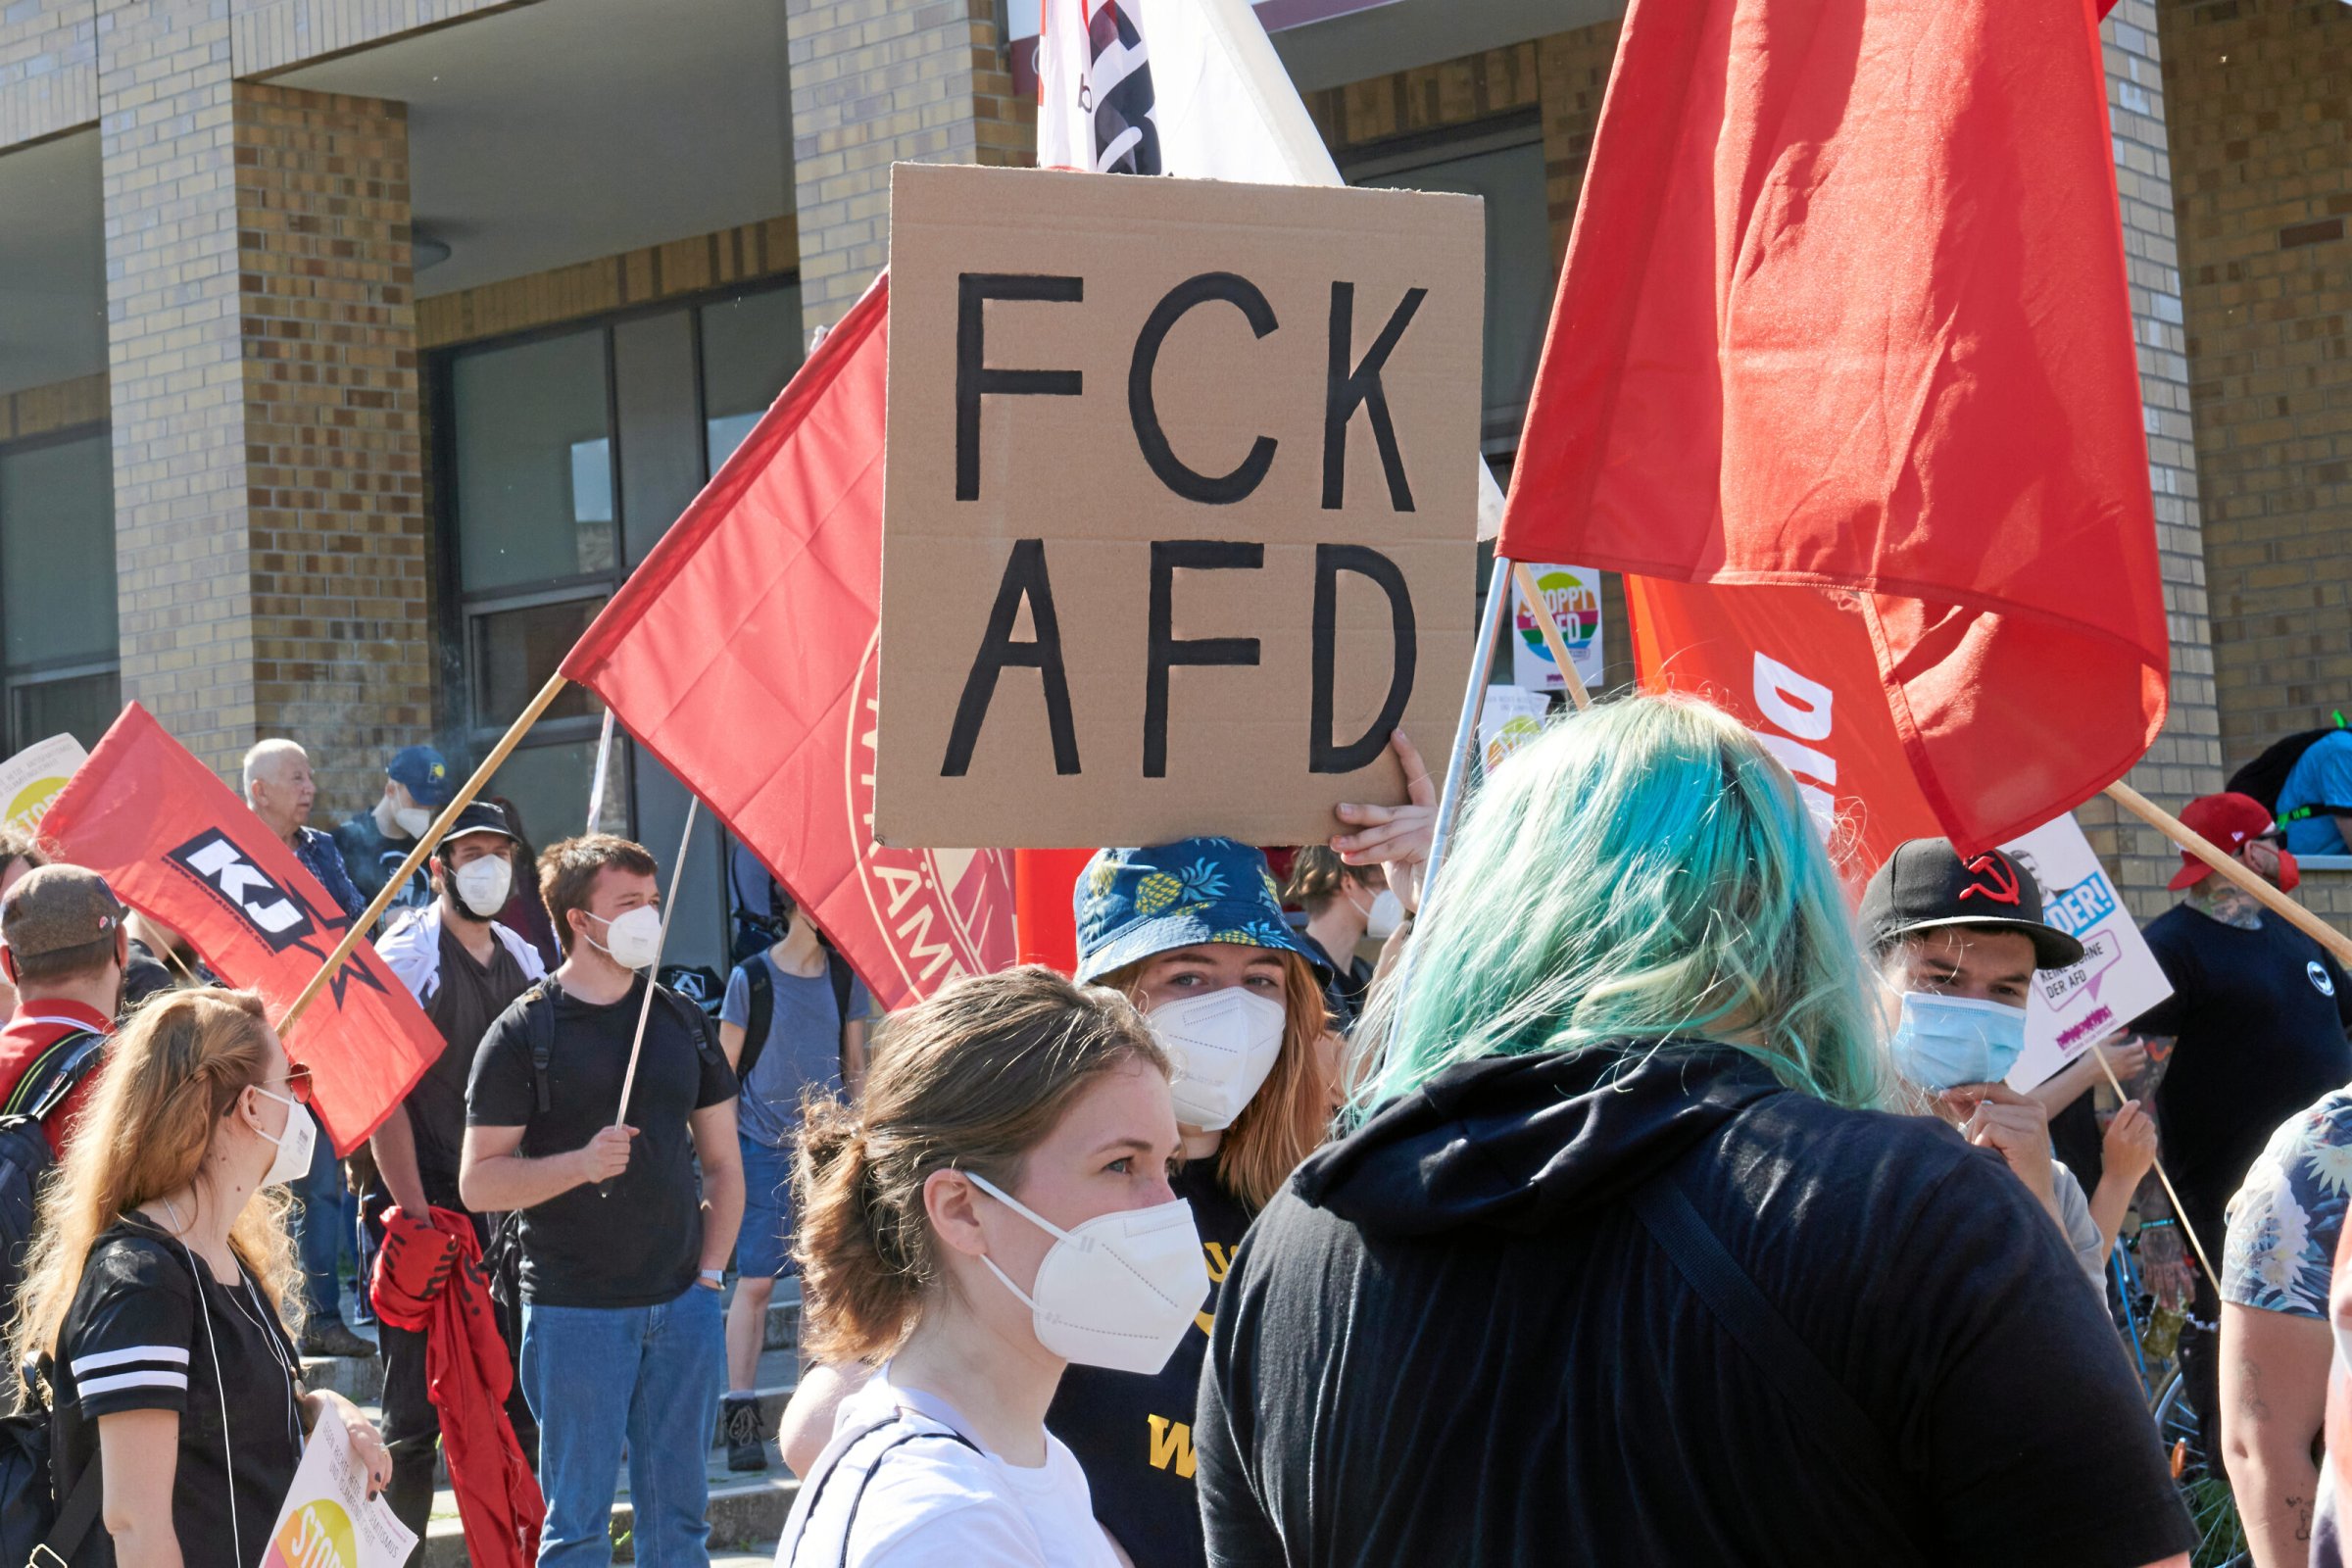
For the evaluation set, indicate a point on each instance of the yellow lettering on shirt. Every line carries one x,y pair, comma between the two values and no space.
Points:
1171,1440
1221,1258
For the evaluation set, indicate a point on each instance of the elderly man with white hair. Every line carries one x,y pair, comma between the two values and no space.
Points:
279,788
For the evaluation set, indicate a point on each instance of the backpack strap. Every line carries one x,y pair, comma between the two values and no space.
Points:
761,985
53,1073
539,1029
845,980
817,1496
1743,1310
74,1517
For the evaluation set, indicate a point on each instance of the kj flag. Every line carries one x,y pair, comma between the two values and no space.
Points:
176,845
742,654
1845,308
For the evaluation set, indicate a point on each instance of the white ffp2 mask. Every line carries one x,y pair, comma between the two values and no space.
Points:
633,938
294,1143
1119,1291
412,821
483,885
1220,1047
1387,915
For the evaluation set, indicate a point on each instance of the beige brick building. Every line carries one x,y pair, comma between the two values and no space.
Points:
352,350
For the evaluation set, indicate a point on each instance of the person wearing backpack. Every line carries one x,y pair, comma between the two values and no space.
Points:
65,948
2314,803
794,1020
623,1251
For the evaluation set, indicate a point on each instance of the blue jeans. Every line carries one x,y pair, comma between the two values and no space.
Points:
323,1228
646,1379
764,1246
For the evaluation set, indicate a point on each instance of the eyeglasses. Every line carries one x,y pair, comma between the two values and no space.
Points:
298,1083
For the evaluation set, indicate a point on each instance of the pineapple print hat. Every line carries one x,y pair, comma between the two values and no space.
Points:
1134,903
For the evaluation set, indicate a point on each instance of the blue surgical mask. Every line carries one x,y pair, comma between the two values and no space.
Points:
1946,1041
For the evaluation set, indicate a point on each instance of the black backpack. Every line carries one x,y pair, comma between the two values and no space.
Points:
31,1518
763,1003
2265,775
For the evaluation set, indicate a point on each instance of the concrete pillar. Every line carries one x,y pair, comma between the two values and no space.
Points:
269,505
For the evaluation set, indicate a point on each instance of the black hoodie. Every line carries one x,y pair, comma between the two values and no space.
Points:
1450,1341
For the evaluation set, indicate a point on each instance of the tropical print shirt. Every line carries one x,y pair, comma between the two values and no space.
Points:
2286,1219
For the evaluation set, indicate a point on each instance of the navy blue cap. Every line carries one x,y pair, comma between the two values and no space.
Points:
422,772
1134,904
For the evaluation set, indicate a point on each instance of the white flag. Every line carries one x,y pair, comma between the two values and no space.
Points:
1186,87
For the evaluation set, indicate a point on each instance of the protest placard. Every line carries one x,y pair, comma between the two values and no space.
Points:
1572,598
328,1520
1508,721
31,779
1176,525
2118,979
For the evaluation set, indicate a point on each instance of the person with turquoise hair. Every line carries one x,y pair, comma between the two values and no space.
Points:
1623,1263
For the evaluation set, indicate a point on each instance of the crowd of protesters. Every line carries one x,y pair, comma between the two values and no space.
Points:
1633,1202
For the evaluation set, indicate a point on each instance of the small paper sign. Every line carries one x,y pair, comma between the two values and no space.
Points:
2118,979
1572,598
1508,719
31,779
329,1521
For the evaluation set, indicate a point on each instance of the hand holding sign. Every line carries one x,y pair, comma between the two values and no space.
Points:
1396,836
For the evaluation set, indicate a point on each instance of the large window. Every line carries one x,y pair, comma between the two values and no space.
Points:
564,456
1505,164
57,588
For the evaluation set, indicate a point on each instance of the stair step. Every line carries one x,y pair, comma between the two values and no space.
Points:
744,1514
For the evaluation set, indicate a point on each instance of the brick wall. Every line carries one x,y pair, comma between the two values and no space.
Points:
60,406
342,629
271,34
48,67
877,82
753,252
2261,94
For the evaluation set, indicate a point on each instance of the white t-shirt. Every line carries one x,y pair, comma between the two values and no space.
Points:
2081,1231
912,1489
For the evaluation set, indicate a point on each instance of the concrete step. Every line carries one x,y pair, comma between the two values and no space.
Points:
744,1514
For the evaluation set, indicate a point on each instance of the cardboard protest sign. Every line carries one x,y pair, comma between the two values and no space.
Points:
1572,596
33,778
2118,979
328,1520
1176,525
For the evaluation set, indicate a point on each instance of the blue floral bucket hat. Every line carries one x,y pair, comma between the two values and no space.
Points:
1133,904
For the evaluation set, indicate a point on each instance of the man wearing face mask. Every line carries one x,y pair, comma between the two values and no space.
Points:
623,1253
2252,1033
1344,904
1958,942
464,969
417,785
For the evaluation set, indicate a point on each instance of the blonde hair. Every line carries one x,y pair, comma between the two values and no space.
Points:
1291,1114
971,1079
169,1079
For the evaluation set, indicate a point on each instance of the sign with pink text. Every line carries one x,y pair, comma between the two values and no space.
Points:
2118,979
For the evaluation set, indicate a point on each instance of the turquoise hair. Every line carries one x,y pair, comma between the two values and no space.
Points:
1644,873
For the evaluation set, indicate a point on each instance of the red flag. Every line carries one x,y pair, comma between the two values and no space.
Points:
175,844
1795,666
742,654
1846,306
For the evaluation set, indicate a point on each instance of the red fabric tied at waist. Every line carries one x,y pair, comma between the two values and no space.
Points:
414,1266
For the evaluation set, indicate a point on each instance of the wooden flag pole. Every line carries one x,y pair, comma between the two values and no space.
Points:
669,907
425,846
2180,1215
2238,873
1554,641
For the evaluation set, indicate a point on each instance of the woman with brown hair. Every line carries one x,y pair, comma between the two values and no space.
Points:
994,1208
154,1298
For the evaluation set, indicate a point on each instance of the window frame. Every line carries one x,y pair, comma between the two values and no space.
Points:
15,678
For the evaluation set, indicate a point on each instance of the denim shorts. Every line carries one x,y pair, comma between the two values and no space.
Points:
763,1246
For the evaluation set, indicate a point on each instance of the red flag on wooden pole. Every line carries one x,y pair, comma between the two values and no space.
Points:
1845,307
176,844
742,654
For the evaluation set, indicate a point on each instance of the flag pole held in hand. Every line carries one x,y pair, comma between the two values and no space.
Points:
2180,1215
669,906
424,847
2237,872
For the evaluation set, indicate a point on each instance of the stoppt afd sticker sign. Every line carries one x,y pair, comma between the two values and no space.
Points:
1178,512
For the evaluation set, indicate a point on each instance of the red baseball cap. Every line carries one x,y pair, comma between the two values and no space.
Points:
2226,821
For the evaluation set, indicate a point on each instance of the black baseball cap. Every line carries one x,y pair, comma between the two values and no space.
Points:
1924,884
479,816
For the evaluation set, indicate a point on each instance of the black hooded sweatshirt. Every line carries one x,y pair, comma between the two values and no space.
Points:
1451,1341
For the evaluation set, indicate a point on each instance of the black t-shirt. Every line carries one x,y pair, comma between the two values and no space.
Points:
641,1246
1517,1373
468,998
2258,1019
133,1341
1344,992
1133,1435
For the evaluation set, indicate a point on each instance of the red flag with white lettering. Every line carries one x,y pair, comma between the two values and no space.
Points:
1845,307
178,845
743,654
